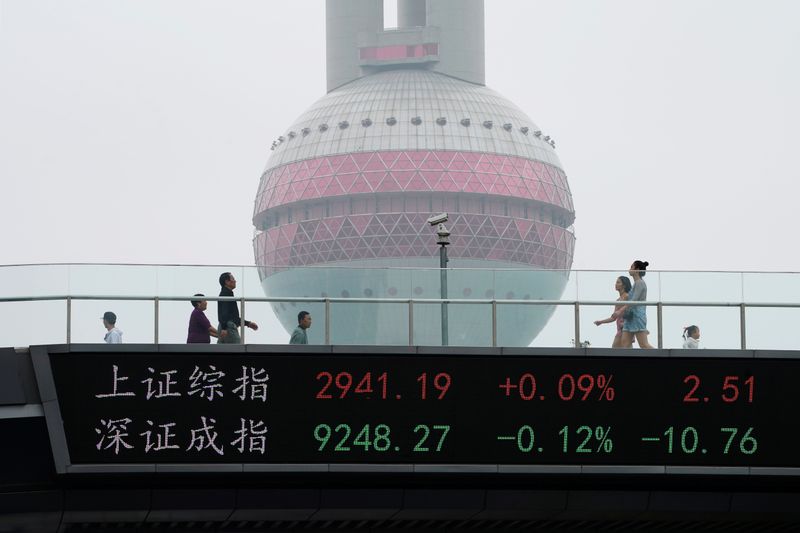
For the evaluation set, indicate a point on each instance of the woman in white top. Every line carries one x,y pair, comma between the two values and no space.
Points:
691,338
623,287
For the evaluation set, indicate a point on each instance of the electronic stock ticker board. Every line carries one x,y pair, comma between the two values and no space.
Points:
279,411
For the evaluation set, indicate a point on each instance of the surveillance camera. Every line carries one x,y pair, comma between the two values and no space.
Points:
437,219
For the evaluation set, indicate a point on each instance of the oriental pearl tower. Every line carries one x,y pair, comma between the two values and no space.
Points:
408,129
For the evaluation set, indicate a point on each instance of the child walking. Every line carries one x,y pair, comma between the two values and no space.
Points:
691,338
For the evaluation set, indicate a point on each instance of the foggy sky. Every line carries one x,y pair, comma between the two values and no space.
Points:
136,131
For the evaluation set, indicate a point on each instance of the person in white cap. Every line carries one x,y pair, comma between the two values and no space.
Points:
113,335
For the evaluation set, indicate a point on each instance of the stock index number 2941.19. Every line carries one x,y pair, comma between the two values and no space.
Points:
343,385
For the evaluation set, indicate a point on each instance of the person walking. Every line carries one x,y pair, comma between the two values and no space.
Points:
300,335
200,329
635,316
228,313
691,338
623,287
113,334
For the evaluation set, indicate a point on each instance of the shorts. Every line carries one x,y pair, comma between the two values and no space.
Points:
637,322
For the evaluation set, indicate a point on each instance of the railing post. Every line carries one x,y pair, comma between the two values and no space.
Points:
243,327
494,323
742,326
327,321
660,323
577,325
69,319
155,321
411,322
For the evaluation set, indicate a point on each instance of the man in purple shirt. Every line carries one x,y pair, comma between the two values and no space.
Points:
200,329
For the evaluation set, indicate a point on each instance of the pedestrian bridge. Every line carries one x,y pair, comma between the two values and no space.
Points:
49,304
563,435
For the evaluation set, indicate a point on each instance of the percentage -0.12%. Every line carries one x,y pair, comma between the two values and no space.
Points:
584,439
583,387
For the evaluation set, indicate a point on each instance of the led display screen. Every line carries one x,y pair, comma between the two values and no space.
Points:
415,409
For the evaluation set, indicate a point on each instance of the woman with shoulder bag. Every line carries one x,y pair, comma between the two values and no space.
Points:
635,316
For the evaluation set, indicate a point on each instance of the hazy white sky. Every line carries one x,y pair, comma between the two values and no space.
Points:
136,130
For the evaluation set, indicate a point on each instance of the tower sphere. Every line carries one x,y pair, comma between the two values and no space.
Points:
353,180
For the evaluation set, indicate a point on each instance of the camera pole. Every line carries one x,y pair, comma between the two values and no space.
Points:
443,240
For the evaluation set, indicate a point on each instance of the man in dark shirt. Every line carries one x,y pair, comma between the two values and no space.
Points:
200,329
228,313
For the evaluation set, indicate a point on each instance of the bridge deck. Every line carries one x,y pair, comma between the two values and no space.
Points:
58,472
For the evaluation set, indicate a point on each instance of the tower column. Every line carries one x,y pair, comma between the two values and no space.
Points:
344,20
461,53
411,13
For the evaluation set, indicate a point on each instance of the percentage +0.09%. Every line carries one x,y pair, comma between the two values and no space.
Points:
584,387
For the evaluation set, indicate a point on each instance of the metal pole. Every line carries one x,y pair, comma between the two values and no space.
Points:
69,319
243,320
155,328
742,326
577,325
660,323
327,321
494,323
411,322
443,274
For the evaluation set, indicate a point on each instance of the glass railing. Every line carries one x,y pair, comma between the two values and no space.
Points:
48,304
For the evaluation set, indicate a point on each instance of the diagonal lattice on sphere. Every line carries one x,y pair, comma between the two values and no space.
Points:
406,131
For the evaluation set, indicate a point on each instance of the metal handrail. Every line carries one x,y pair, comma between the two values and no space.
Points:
321,299
411,302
